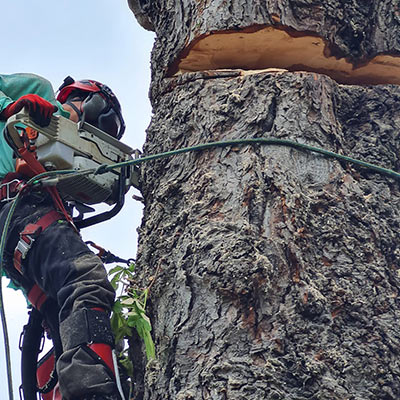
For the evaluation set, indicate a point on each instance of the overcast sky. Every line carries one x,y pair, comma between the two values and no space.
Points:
96,39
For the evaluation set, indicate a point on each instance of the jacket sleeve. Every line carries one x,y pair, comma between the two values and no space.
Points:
4,101
13,86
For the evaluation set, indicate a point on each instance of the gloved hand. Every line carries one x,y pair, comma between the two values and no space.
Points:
40,109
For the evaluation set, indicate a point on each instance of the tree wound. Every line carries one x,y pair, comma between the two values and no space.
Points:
271,47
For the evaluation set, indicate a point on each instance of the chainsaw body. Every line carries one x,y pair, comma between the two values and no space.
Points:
64,144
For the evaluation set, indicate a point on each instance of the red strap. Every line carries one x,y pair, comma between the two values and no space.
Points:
53,395
29,234
104,351
37,297
38,168
45,369
42,224
56,393
32,161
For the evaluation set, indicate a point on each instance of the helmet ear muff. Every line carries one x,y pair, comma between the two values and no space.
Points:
96,111
93,106
109,122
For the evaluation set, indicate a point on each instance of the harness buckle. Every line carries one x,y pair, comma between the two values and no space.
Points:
30,234
23,246
27,238
8,190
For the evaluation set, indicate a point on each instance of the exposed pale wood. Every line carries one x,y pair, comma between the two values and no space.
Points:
266,47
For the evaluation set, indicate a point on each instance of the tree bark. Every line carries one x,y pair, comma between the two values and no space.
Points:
277,270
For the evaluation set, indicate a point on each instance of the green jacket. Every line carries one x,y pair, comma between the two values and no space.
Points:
12,87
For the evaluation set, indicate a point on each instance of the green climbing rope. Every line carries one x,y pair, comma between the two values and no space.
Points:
261,141
3,316
41,179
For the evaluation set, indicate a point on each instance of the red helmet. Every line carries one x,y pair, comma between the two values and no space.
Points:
100,107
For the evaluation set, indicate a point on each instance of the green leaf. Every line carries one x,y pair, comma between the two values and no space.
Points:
116,278
132,267
115,269
127,364
149,345
127,301
132,320
138,306
129,312
119,326
145,322
117,308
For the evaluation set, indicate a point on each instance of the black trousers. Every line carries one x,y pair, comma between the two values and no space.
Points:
74,277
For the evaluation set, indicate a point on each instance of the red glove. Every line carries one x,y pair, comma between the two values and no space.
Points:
39,109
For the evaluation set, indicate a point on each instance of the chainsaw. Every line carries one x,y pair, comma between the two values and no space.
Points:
66,145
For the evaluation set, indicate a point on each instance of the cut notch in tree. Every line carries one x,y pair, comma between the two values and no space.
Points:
261,47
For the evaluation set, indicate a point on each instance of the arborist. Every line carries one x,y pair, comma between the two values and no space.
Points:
44,255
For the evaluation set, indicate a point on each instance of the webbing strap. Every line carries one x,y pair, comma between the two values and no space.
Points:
37,297
30,234
36,169
27,237
104,352
46,375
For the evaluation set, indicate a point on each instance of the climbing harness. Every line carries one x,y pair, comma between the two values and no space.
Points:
30,233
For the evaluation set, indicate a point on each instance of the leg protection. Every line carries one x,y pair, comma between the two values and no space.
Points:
87,325
86,368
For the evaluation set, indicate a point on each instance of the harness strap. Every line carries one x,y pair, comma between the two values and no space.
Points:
36,168
37,297
46,375
30,234
27,237
103,353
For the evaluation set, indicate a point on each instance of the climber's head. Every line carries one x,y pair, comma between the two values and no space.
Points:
93,102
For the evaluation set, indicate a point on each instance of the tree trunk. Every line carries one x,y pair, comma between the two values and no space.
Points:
277,270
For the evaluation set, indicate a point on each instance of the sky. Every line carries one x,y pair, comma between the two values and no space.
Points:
87,39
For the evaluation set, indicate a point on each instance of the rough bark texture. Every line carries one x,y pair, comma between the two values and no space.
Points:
355,29
278,269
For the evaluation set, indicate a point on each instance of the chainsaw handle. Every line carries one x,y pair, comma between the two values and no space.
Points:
11,133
